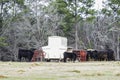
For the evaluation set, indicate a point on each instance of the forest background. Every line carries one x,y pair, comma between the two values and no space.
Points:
28,23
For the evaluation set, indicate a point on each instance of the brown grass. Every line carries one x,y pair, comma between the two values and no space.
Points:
1,76
76,71
21,71
35,64
88,74
118,74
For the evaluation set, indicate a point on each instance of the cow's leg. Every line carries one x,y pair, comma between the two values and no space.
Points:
74,57
87,57
19,58
108,56
29,59
65,59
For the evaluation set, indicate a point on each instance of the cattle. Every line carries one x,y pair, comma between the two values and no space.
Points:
107,55
38,55
69,54
110,55
72,56
100,55
91,54
81,55
26,54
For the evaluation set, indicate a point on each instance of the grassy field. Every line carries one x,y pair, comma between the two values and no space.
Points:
60,71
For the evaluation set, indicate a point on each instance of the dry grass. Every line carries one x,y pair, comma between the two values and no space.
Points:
75,71
118,74
1,76
60,71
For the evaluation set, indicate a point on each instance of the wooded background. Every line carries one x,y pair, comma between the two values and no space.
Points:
28,23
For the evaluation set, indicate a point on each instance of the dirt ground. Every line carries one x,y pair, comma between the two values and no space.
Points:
60,71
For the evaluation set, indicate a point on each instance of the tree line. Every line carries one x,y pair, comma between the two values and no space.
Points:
28,23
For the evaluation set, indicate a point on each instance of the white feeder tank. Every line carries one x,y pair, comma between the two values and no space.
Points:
57,45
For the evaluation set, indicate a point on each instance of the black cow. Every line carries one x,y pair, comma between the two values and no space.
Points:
110,55
107,54
100,55
27,54
72,56
91,55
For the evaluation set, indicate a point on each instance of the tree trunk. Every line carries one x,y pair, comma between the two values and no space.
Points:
118,56
76,27
1,17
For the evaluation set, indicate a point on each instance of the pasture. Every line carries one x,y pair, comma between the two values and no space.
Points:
60,71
